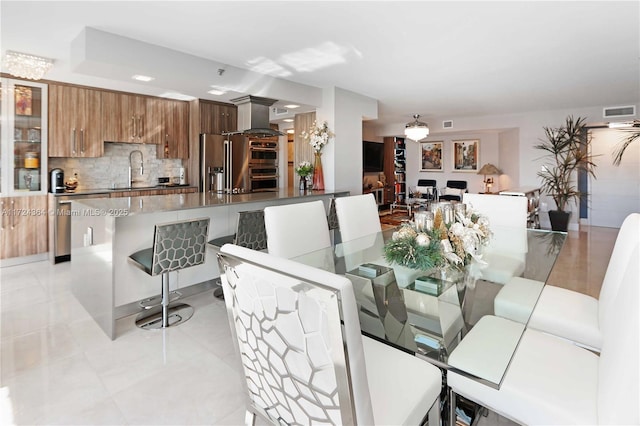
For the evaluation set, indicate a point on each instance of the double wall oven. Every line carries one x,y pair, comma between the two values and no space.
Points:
263,165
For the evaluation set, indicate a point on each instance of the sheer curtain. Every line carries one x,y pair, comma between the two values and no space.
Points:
302,149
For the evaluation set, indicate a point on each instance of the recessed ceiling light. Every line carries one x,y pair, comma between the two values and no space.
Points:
142,77
292,106
217,92
177,96
620,125
290,131
288,120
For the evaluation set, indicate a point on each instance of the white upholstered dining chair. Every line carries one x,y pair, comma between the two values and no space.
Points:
295,229
579,317
506,255
303,357
550,381
359,220
357,216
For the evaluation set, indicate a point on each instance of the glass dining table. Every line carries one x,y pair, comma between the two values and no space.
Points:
429,313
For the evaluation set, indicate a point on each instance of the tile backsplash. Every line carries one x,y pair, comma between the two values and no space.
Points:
112,169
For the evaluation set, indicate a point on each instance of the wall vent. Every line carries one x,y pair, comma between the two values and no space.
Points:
447,124
280,111
619,111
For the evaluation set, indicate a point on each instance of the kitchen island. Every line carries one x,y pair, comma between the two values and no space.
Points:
105,231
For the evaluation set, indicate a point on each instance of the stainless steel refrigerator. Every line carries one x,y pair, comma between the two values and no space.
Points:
227,156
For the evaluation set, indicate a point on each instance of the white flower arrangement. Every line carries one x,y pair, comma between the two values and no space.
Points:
318,137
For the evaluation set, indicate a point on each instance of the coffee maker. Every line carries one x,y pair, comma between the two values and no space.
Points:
56,181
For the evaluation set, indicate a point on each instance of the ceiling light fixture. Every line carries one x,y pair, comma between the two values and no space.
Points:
217,92
288,120
292,106
416,130
144,78
27,66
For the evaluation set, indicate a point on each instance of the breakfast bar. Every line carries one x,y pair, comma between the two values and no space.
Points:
106,231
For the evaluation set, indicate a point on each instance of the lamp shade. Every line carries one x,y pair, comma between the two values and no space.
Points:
416,130
489,169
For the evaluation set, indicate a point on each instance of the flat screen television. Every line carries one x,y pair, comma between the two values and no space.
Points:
372,156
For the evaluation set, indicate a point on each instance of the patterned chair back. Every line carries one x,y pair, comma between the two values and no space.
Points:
332,217
301,363
251,232
179,245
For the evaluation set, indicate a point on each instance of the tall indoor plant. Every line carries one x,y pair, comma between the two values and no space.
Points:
566,152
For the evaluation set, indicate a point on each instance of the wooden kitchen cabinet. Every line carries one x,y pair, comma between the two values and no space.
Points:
75,122
217,118
23,226
126,118
170,126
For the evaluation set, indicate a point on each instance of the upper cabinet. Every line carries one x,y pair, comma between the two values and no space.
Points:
75,122
216,118
126,118
23,124
170,127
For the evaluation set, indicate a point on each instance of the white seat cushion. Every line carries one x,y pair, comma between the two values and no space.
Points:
501,267
549,382
568,314
517,298
486,350
402,393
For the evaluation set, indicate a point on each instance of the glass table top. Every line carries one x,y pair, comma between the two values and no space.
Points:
428,313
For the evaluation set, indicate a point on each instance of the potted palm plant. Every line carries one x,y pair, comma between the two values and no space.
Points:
565,153
633,135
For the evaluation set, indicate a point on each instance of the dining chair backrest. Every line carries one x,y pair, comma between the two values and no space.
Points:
296,229
297,330
250,231
358,216
628,237
618,368
501,210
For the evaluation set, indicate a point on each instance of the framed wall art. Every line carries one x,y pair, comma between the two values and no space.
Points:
465,155
431,156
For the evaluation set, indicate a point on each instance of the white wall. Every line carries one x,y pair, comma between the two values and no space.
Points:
615,192
488,153
342,158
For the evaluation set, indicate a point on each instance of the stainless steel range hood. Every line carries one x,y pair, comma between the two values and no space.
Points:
253,116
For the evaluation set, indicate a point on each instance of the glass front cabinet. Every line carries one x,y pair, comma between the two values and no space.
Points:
23,171
23,152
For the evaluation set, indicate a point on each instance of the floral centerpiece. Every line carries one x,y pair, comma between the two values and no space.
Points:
318,137
447,243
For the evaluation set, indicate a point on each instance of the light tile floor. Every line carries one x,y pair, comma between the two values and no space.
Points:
58,367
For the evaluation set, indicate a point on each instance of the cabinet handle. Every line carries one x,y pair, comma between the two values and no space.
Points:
82,141
73,141
3,215
133,126
140,133
13,216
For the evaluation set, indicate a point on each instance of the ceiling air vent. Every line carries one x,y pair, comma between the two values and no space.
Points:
447,124
280,111
620,111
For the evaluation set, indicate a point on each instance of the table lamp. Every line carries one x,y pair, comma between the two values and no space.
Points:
488,169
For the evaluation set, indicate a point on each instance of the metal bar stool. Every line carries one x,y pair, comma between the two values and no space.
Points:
176,245
250,233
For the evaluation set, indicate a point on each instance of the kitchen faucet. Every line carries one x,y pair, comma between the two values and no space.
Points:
131,165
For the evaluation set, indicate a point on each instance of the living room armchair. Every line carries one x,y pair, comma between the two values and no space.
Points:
454,190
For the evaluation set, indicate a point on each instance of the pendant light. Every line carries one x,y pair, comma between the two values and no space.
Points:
416,130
